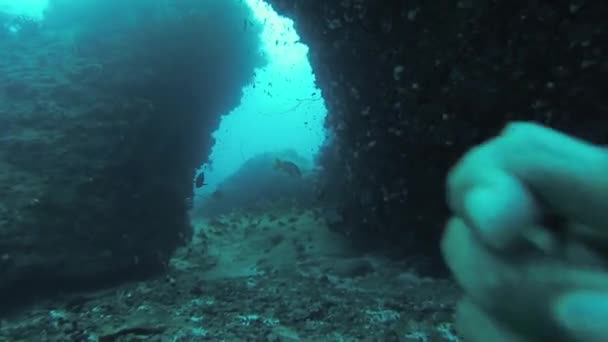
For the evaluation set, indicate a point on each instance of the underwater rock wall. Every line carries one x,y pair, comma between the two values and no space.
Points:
411,85
101,130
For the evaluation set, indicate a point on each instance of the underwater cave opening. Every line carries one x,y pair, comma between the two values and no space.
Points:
281,114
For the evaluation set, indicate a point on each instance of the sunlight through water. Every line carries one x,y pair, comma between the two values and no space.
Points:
281,110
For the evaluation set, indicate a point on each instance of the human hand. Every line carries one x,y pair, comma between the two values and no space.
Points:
528,241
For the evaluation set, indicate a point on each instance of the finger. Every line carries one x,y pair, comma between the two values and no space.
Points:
497,204
518,293
495,187
477,326
475,269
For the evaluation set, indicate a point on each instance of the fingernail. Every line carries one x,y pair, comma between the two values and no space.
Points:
584,314
481,206
476,206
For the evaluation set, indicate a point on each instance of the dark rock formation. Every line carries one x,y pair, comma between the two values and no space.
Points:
411,85
101,129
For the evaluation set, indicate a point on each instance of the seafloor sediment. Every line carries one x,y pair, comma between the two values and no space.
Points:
279,276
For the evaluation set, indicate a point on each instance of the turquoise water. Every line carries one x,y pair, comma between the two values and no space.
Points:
281,110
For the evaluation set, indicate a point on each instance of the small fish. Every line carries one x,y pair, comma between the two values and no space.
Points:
200,180
288,167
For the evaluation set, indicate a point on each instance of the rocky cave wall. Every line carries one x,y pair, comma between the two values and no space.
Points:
411,85
102,126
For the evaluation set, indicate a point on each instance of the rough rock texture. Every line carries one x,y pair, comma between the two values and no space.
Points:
101,129
410,85
278,276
